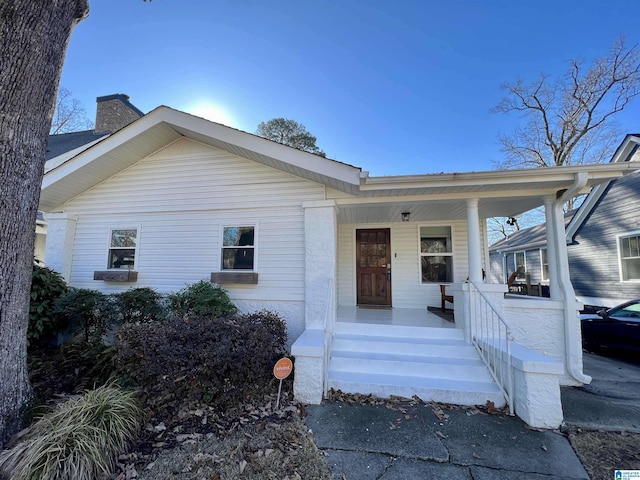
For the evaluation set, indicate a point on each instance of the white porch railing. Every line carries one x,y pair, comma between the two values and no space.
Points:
329,324
491,336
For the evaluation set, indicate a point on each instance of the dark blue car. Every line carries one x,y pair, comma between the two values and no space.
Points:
616,329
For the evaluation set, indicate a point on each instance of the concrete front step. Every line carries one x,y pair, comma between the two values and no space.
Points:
387,331
436,364
457,392
472,369
425,347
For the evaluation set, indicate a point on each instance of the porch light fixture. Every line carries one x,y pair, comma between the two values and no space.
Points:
405,216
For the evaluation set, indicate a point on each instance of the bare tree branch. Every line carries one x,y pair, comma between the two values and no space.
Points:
568,121
69,115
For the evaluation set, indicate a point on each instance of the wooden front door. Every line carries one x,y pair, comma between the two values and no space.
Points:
373,266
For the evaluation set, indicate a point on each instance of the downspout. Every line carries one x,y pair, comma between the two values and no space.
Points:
573,349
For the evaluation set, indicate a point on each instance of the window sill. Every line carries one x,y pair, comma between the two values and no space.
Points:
116,275
246,278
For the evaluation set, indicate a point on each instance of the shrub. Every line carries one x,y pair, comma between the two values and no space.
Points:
79,439
44,321
140,305
72,368
201,299
88,311
216,360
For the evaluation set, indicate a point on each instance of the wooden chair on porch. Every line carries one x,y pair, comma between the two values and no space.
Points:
444,297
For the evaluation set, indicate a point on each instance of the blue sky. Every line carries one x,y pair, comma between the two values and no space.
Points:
395,87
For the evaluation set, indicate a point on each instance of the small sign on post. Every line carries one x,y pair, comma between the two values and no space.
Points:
281,370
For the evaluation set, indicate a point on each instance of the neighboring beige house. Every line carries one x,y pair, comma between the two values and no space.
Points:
350,261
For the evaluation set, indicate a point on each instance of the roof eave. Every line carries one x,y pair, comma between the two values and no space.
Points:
165,125
623,154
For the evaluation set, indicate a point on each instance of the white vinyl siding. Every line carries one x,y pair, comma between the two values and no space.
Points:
346,265
182,197
407,290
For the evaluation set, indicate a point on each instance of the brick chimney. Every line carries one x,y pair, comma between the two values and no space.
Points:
115,112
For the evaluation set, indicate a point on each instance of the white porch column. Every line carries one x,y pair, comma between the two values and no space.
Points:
555,292
312,347
320,259
474,244
61,228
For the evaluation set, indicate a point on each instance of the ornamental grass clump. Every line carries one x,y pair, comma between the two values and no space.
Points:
80,439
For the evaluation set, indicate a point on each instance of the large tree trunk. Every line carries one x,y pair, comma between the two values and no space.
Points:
33,41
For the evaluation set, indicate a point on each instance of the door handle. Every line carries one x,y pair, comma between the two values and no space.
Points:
389,275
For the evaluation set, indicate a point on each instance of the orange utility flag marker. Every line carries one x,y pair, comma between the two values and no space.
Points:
281,370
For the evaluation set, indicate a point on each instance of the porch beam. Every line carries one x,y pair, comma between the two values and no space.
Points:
474,243
397,197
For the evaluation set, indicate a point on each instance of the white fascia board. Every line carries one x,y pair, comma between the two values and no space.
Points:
622,155
60,159
563,175
102,147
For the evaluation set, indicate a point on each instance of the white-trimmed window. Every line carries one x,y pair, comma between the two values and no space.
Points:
238,248
629,251
436,254
544,263
122,248
520,262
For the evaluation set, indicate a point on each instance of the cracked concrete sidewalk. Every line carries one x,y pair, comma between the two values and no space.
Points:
363,442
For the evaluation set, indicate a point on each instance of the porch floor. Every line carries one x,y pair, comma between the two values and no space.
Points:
409,317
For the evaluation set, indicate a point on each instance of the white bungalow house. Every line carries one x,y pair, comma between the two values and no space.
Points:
350,261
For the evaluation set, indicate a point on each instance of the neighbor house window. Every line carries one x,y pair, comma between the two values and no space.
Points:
520,262
630,257
544,261
238,248
122,248
436,254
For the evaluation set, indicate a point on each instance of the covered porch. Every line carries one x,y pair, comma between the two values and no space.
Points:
545,331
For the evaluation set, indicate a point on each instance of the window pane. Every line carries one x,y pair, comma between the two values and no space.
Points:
435,239
123,238
121,258
434,245
237,236
437,269
633,247
631,269
237,259
520,265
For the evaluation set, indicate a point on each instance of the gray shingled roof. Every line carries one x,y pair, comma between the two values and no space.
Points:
536,235
65,142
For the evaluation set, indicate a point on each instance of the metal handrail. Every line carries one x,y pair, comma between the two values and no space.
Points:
491,336
329,320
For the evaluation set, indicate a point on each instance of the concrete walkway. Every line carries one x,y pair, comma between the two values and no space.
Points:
364,442
410,440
